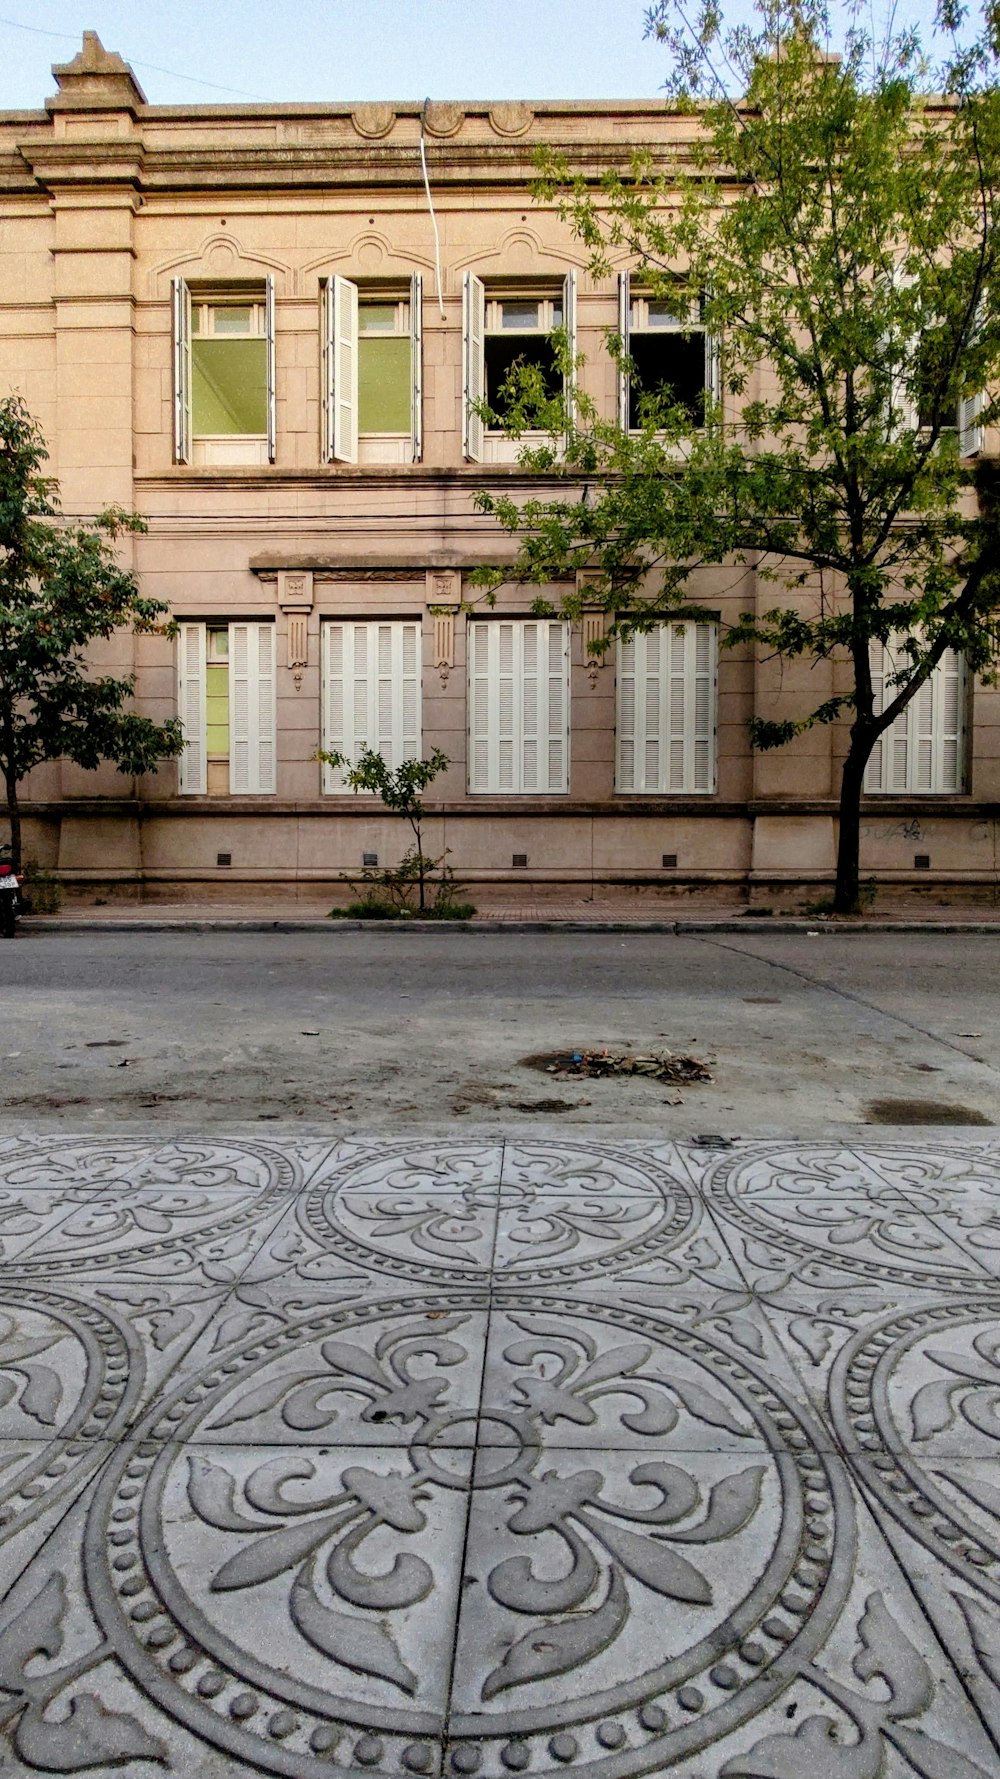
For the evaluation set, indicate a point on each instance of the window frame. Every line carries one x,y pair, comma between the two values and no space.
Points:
479,443
257,293
492,737
253,738
627,329
340,338
404,741
907,729
688,731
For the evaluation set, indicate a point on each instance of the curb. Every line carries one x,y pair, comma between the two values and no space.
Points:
36,924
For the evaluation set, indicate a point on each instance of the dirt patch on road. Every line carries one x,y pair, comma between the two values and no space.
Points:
922,1112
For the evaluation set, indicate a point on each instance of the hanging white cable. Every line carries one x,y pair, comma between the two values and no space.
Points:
430,206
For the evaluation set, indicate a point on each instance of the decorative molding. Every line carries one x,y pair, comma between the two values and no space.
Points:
357,258
373,120
444,119
295,589
593,625
220,256
511,118
444,594
298,645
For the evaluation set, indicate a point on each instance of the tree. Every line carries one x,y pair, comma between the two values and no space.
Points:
62,588
837,225
399,790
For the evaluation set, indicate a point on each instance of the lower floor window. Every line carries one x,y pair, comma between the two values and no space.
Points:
371,693
923,753
226,704
518,705
666,709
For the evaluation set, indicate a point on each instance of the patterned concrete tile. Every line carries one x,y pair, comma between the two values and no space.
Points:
554,1457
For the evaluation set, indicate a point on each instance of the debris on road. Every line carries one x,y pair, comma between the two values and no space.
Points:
593,1065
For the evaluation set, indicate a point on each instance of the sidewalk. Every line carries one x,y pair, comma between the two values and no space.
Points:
605,912
470,1456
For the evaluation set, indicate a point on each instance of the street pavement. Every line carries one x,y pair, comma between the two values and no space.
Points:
480,1453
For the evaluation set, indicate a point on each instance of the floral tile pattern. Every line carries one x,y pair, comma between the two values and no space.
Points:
551,1456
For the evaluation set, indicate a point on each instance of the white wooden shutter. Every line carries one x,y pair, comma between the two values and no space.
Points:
473,335
624,326
713,369
342,370
518,706
922,753
180,315
327,366
666,710
371,679
970,425
272,420
569,328
191,707
417,366
251,709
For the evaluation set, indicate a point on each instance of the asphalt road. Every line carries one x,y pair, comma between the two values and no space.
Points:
389,1031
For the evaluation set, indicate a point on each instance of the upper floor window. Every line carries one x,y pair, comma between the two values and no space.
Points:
503,330
923,753
223,373
372,372
673,355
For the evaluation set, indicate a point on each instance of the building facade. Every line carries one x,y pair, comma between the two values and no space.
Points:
237,321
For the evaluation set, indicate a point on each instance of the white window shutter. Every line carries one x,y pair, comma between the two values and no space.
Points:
923,751
343,369
624,325
970,425
272,412
666,713
191,707
251,709
518,706
713,369
569,327
180,314
473,335
328,361
417,366
371,675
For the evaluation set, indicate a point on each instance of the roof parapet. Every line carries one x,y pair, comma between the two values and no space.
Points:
96,79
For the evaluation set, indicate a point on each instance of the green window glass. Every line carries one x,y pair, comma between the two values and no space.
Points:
217,695
228,383
384,370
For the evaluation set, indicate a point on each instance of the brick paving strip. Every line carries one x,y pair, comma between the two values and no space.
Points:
545,1455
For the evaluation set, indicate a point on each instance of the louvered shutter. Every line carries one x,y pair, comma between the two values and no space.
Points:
624,328
191,707
372,693
569,328
473,336
180,313
713,370
341,357
970,425
272,410
922,753
666,710
251,709
417,366
518,706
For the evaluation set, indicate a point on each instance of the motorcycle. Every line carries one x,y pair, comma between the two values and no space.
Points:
10,895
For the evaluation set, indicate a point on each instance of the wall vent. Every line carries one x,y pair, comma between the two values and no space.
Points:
369,858
669,861
223,858
921,861
519,861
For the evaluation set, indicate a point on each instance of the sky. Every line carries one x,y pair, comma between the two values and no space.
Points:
187,52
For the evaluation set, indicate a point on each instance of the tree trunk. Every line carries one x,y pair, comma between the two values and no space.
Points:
846,897
14,818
